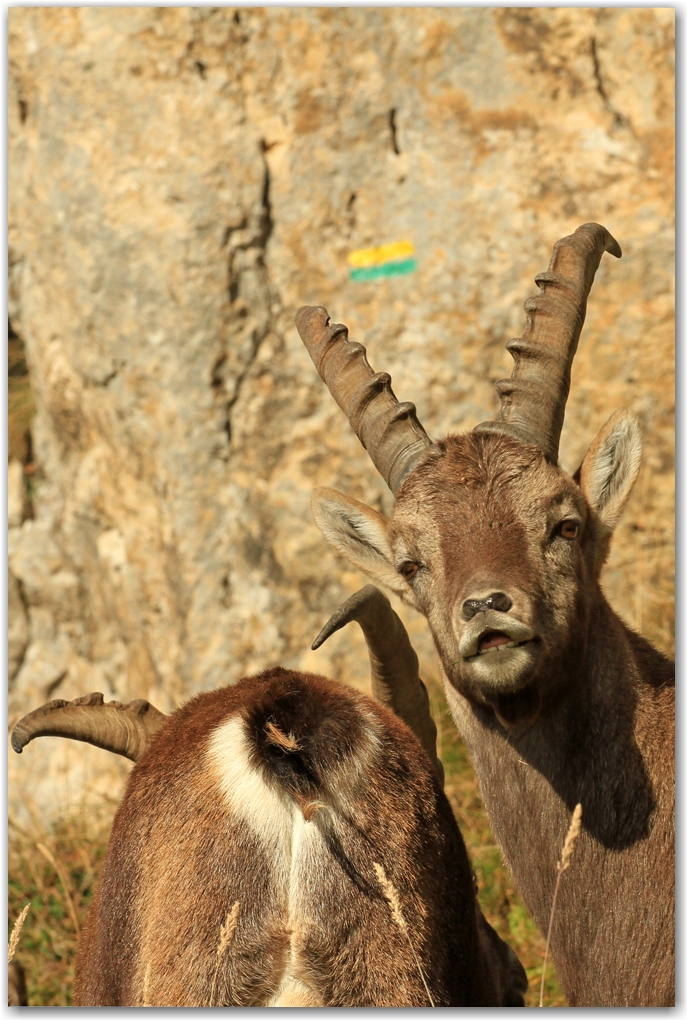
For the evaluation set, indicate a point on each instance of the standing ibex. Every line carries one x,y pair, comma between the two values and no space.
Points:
284,842
558,701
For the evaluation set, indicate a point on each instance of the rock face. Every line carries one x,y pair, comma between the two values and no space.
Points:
181,180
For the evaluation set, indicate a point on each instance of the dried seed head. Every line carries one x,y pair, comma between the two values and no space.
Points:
573,833
16,932
310,809
568,847
392,898
390,895
226,932
286,741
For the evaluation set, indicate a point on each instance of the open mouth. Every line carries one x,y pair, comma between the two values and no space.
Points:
496,641
493,636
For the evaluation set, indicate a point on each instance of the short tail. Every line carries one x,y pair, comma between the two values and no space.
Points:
304,729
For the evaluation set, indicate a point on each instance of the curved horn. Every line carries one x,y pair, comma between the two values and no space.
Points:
533,399
389,431
123,729
394,665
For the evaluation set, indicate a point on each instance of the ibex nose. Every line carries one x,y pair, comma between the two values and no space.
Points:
497,600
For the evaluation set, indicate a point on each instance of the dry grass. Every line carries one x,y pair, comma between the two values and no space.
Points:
226,934
59,891
563,865
391,896
16,932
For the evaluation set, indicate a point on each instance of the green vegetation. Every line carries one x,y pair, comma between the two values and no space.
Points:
57,876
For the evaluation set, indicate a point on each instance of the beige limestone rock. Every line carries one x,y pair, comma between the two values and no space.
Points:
181,180
18,627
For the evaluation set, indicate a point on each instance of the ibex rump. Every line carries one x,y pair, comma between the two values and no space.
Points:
559,702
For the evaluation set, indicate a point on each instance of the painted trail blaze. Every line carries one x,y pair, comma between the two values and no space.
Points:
394,259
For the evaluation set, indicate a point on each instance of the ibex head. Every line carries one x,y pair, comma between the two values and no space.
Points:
497,546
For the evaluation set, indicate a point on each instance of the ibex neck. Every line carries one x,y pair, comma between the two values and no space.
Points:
584,740
601,744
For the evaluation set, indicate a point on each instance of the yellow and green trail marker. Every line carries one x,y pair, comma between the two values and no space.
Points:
394,259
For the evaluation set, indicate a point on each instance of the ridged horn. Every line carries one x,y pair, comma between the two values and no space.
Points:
394,667
123,729
533,399
389,430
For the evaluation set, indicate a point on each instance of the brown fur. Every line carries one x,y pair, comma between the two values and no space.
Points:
581,712
178,859
16,984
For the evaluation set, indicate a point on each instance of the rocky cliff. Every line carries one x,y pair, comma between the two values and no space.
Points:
181,180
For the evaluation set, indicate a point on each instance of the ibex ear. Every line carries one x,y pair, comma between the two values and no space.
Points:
360,534
609,470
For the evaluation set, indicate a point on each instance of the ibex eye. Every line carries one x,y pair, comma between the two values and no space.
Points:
409,570
569,529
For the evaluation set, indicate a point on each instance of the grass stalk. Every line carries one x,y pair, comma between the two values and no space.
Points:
226,934
563,865
65,885
392,898
16,932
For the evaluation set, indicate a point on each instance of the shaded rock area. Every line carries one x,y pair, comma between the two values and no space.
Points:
181,180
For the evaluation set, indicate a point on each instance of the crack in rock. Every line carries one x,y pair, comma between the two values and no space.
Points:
619,119
256,242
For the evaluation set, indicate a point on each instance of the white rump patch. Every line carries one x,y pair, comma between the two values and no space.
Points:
295,850
277,822
269,813
293,992
293,847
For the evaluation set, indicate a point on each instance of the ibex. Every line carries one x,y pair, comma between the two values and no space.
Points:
559,702
16,984
284,842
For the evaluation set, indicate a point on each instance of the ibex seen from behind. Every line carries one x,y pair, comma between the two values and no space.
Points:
558,700
285,842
